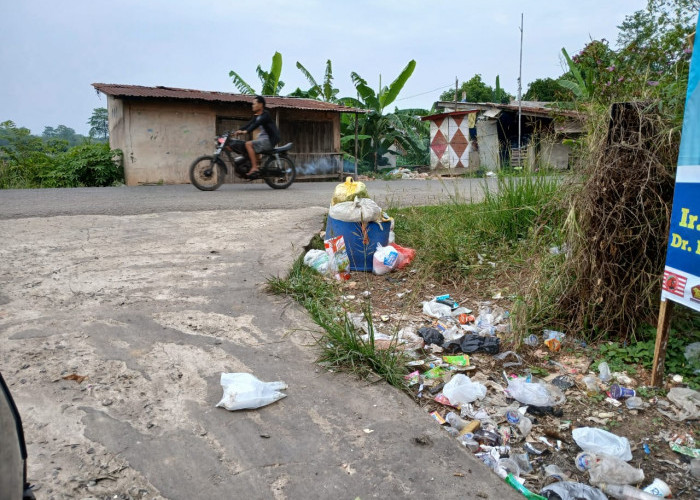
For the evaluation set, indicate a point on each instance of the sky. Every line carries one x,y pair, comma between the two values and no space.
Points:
52,51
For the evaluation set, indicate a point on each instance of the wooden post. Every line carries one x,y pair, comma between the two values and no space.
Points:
356,146
657,373
456,88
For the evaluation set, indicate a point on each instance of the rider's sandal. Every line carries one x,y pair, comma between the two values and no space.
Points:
255,175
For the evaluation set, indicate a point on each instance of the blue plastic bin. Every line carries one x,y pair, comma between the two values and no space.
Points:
360,255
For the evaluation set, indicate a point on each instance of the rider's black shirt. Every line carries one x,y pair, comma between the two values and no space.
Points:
265,121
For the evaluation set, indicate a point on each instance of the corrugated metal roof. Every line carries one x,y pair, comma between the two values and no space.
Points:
449,113
533,108
117,90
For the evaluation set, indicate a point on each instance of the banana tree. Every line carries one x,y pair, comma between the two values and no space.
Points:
271,83
324,92
581,88
377,131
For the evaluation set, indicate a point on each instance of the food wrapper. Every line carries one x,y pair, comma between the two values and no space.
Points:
457,360
338,257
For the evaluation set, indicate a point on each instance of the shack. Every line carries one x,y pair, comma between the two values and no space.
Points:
161,130
493,135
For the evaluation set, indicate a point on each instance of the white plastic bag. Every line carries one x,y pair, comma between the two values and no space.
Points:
535,393
384,260
244,391
318,260
358,210
461,390
436,309
600,441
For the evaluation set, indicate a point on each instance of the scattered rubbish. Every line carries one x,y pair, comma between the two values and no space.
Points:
591,384
318,260
688,402
584,460
501,357
525,426
356,210
608,469
619,392
555,472
245,391
512,481
535,393
437,417
685,450
564,382
338,257
348,191
384,260
695,468
658,488
626,492
431,335
604,372
601,441
513,417
636,403
508,466
475,343
569,490
457,360
412,378
434,373
531,340
406,255
435,309
75,377
461,390
531,449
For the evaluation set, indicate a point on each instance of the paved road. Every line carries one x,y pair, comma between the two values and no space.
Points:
185,198
152,302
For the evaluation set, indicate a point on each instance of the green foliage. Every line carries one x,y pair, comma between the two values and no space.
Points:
324,92
99,124
271,83
547,90
27,161
475,90
62,135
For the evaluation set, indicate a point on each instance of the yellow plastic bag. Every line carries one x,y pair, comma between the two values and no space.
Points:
348,191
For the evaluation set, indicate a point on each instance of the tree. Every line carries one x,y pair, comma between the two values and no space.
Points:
271,83
99,124
547,90
379,131
61,137
473,90
324,92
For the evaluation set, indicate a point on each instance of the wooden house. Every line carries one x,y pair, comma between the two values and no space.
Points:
161,130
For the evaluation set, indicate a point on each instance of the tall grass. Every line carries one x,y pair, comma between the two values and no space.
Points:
341,347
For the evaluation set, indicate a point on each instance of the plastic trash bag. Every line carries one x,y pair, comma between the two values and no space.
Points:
600,441
535,393
357,210
431,335
613,470
406,255
502,357
688,400
435,309
384,259
569,490
475,343
461,390
348,191
244,391
318,260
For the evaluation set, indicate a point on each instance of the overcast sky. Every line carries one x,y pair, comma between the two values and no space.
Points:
52,51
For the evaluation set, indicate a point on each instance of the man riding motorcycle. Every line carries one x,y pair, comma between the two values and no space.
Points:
267,138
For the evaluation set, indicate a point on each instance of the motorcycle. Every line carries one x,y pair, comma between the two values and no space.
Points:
208,172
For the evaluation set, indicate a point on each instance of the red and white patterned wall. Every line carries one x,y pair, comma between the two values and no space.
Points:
449,141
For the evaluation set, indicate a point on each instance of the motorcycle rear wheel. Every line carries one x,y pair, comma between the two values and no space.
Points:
207,174
282,172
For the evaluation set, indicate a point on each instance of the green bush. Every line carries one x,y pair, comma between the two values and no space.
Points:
86,165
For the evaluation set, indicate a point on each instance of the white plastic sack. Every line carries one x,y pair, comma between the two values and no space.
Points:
436,309
461,390
600,441
358,210
318,260
244,391
384,260
688,400
535,393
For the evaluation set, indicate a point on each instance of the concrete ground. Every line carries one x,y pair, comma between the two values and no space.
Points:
151,308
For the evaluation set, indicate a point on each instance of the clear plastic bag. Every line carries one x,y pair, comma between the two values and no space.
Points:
244,391
535,393
461,390
318,260
605,469
385,259
599,441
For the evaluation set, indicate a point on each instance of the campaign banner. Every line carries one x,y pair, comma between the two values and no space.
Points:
681,281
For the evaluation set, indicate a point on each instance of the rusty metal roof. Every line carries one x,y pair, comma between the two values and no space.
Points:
449,113
137,91
532,108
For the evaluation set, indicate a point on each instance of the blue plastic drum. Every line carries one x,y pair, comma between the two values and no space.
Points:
360,245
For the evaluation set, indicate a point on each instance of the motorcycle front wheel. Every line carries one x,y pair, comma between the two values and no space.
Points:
207,174
280,172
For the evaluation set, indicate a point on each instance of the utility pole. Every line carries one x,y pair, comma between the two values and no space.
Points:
520,89
456,88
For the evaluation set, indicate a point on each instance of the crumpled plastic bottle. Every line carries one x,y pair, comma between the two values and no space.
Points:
626,492
607,469
604,372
